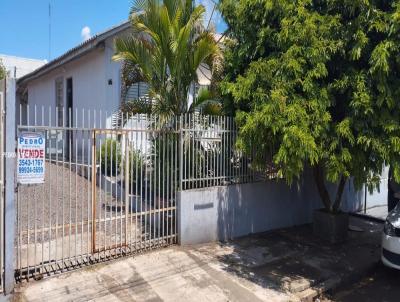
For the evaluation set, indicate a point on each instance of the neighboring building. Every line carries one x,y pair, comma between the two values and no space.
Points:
17,67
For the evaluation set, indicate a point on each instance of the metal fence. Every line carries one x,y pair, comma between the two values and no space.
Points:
110,192
208,153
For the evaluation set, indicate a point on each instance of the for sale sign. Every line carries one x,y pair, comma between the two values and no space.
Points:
31,158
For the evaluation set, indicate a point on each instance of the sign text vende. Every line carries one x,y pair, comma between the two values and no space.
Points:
31,158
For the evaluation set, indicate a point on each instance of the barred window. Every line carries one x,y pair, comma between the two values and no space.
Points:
137,91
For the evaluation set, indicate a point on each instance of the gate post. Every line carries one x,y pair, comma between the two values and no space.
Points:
127,188
10,185
181,133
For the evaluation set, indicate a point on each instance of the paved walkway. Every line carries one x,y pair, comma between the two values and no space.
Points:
284,265
378,212
171,274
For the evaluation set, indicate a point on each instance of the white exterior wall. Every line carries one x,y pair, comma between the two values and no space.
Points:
112,72
88,81
94,98
91,89
379,197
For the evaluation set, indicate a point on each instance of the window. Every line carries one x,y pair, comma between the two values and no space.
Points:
60,100
137,91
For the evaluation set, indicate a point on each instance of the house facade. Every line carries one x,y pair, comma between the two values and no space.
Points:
84,78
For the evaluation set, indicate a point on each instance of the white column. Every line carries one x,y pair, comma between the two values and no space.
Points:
9,201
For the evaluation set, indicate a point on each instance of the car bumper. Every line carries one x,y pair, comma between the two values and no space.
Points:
391,251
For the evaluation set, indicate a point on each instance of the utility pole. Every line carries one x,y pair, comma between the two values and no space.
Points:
49,31
212,13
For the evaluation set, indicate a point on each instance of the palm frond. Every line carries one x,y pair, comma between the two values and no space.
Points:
167,44
206,103
138,6
136,52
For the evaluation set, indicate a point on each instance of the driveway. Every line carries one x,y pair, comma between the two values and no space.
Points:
172,274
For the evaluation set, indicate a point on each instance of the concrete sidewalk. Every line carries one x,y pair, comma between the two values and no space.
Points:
380,212
283,265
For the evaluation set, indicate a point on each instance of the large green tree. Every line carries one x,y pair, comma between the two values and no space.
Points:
317,83
167,45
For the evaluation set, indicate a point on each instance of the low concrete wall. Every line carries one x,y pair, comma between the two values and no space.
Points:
227,212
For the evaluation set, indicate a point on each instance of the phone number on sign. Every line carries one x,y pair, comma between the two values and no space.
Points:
30,162
29,170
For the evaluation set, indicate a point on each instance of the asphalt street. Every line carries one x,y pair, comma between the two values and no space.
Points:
383,285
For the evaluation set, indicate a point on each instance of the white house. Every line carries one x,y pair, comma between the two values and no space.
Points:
85,77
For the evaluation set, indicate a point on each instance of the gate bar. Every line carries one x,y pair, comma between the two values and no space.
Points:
93,160
127,170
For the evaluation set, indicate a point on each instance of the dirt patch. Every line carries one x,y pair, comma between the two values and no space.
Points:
64,199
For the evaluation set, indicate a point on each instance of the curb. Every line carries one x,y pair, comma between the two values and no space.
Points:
8,298
333,283
368,217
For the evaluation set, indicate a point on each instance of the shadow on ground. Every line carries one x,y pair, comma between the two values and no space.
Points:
294,261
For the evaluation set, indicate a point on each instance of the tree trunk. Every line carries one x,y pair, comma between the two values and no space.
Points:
339,193
323,192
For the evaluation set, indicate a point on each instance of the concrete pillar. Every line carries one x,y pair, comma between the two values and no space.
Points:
9,201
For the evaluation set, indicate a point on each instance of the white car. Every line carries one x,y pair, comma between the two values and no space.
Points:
391,239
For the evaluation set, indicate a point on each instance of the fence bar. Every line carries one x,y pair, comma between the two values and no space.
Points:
94,195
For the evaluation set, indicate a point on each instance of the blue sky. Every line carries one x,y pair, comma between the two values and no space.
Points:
28,21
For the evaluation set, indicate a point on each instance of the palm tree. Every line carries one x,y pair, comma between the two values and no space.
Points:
167,45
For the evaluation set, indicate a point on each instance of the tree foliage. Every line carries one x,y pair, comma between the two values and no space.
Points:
2,71
166,47
207,102
317,82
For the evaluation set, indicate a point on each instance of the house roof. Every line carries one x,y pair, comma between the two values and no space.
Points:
75,52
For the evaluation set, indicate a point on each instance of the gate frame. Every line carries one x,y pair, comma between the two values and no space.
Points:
94,133
2,185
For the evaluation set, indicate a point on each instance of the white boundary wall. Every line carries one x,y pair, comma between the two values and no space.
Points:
227,212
